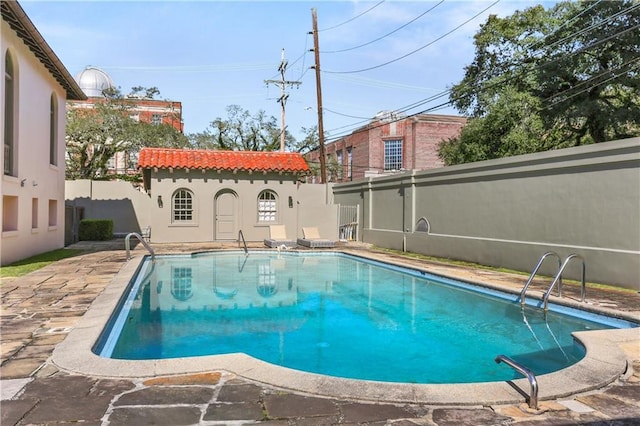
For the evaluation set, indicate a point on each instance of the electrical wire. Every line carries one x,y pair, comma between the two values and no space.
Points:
386,35
418,49
354,18
446,92
593,26
590,80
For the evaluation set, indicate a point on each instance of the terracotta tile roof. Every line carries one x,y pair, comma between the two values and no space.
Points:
164,158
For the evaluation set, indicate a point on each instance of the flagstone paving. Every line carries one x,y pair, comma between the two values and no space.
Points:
39,310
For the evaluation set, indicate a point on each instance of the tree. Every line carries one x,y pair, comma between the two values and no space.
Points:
309,143
95,135
544,79
241,131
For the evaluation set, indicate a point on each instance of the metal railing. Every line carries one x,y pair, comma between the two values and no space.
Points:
533,397
535,271
583,292
244,243
127,244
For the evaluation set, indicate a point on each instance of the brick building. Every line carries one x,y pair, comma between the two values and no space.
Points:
389,144
93,81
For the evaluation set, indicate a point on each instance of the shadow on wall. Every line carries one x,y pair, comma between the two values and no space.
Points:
121,212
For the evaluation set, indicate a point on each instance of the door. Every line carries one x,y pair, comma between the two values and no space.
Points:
226,211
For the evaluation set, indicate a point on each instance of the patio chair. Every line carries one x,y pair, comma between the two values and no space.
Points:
278,237
312,239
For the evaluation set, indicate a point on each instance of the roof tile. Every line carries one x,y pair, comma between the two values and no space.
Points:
255,161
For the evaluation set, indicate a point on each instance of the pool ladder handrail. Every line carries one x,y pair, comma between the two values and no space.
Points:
535,271
127,245
533,397
583,292
241,238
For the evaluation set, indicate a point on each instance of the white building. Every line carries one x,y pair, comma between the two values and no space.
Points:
33,93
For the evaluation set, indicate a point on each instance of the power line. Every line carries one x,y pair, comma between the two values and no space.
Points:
418,49
591,27
388,34
354,18
590,80
446,92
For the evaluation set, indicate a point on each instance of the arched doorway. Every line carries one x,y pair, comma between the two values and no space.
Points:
226,212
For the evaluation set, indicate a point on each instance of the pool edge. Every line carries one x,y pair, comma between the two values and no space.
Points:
604,362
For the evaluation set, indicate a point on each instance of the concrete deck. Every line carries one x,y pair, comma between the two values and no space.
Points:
51,317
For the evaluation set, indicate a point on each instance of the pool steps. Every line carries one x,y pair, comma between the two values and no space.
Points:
556,280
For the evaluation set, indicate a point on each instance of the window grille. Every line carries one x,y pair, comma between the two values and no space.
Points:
267,207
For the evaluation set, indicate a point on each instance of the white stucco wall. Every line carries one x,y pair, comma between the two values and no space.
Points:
308,206
35,178
132,210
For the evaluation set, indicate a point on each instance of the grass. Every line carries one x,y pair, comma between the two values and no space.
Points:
33,263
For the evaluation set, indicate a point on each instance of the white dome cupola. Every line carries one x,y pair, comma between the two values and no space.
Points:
93,81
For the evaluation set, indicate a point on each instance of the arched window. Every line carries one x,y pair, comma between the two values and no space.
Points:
267,206
9,116
182,206
53,130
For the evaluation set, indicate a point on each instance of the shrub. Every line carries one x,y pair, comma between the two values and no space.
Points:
95,229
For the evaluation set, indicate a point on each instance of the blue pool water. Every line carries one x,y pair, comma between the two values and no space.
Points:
337,315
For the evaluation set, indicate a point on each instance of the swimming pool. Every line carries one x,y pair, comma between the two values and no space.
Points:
338,315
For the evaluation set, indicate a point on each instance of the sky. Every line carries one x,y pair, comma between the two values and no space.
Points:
381,55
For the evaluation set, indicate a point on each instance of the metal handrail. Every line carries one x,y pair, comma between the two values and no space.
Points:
533,397
583,292
127,245
535,270
241,238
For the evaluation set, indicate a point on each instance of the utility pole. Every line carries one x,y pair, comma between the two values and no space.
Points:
316,49
282,83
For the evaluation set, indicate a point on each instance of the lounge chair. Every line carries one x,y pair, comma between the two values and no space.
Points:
312,239
278,237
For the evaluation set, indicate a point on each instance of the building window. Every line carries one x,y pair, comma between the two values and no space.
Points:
9,115
156,119
53,212
53,130
34,213
393,154
111,163
349,162
182,206
340,166
9,213
267,206
132,160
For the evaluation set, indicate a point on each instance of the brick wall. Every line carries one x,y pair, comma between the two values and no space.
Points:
421,136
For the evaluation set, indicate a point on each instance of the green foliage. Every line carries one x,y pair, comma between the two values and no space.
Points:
544,79
241,131
94,135
95,230
310,142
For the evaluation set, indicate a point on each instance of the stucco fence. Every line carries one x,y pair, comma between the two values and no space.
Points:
509,212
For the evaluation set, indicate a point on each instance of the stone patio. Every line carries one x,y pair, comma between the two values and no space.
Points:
40,309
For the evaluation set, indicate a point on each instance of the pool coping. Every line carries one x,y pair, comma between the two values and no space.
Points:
604,362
